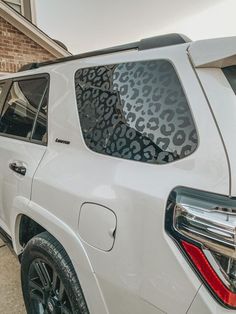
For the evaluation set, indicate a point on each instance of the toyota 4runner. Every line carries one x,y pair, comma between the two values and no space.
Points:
118,178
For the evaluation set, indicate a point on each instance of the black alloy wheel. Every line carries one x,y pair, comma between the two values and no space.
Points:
47,292
49,281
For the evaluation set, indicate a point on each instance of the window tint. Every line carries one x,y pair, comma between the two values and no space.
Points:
21,107
135,111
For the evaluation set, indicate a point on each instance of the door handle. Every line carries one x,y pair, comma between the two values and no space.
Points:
17,168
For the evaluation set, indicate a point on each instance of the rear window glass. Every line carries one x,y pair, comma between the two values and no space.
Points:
230,73
135,111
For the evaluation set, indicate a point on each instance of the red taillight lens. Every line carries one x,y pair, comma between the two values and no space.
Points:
204,225
203,266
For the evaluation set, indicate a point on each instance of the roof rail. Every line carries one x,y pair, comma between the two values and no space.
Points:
147,43
29,66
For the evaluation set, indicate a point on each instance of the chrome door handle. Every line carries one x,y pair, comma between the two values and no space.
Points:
18,169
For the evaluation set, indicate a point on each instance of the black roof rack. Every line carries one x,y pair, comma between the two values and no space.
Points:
147,43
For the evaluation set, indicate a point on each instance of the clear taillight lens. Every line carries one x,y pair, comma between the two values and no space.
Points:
204,225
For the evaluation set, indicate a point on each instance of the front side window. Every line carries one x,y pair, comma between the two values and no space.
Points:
23,105
135,111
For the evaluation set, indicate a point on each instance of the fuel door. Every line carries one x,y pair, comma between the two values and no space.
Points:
97,226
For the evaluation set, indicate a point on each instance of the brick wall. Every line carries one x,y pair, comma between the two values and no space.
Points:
16,49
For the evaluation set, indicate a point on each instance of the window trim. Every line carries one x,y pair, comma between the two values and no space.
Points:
9,83
45,94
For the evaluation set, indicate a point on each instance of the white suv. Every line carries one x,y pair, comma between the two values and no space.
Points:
118,178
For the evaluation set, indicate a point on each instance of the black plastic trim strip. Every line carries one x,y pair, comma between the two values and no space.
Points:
147,43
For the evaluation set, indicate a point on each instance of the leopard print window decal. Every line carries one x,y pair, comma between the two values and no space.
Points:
135,111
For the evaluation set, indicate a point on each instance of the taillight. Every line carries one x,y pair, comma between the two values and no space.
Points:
204,226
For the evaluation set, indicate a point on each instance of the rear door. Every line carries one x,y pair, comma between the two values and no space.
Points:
23,139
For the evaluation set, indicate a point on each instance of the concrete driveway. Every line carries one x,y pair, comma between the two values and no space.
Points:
11,301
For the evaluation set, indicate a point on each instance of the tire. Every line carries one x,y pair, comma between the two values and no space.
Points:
49,282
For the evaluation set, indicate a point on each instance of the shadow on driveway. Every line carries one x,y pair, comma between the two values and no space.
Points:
11,301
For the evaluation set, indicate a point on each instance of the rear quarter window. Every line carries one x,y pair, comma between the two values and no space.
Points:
135,111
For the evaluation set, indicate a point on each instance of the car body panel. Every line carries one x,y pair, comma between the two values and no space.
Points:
205,304
12,184
135,271
144,271
223,103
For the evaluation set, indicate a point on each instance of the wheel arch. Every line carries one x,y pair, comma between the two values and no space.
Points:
39,219
28,228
